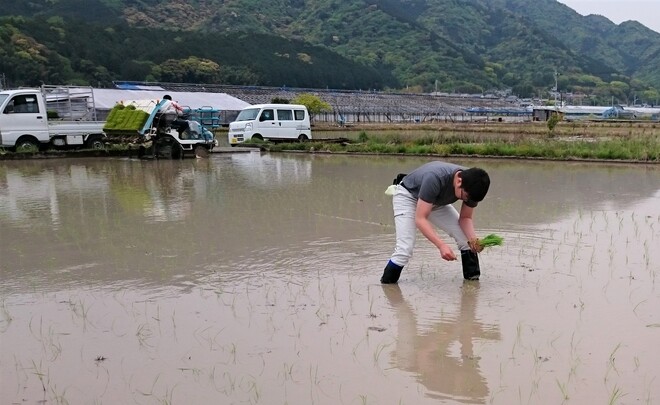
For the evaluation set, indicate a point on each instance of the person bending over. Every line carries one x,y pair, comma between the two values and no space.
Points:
423,199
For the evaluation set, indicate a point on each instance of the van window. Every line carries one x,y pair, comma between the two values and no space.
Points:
284,115
300,114
248,114
267,115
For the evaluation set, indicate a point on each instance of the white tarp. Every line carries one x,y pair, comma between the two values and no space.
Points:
105,99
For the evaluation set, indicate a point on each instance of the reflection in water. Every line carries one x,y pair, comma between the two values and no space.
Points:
129,220
446,373
266,171
238,279
32,192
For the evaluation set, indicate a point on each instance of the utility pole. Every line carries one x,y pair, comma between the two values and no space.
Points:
556,85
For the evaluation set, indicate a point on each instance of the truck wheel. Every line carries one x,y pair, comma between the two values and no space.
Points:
27,144
95,142
257,137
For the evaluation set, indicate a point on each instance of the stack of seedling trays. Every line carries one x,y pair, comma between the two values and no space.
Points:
124,123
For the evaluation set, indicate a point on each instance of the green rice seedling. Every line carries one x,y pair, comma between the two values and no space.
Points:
288,372
5,317
635,308
611,366
322,315
81,310
253,389
38,371
230,383
47,340
379,350
499,390
314,375
615,396
563,389
491,240
144,334
57,397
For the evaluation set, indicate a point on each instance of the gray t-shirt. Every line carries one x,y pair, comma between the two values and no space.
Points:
433,182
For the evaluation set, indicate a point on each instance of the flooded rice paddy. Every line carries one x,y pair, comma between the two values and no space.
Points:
254,279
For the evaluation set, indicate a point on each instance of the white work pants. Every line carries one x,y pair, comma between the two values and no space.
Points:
443,217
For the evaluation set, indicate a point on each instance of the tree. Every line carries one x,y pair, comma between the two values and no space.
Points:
620,91
314,104
190,70
553,121
523,90
651,96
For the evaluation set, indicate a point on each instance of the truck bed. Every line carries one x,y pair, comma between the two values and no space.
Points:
75,127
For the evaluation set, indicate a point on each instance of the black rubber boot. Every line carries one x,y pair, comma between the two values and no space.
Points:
471,269
391,273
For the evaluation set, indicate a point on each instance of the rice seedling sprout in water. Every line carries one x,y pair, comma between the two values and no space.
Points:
615,396
5,317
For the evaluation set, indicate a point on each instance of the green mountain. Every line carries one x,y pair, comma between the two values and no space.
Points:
422,45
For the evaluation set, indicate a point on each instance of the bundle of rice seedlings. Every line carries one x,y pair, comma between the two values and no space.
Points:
491,240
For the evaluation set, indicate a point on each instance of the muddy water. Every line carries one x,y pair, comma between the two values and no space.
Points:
250,278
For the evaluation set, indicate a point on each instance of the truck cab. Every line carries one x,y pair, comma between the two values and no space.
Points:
23,119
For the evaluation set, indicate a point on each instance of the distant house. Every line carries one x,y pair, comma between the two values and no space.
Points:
578,112
543,113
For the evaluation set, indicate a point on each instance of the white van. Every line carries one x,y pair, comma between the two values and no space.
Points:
275,122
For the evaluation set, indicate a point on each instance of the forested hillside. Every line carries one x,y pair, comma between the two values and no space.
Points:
418,45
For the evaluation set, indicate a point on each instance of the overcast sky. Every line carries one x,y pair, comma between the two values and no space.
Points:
646,12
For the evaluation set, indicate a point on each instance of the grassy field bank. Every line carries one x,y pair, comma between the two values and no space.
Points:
629,141
625,141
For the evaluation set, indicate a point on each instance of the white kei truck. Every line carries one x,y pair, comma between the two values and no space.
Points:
49,116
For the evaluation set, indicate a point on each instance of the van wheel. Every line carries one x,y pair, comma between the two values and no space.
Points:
257,138
303,138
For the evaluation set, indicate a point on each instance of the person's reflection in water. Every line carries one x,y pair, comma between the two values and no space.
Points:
443,372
